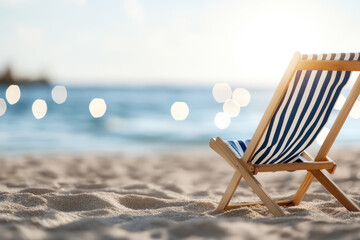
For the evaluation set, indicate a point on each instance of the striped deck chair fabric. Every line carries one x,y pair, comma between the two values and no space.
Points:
299,109
302,113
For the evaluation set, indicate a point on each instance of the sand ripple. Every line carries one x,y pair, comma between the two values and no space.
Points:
170,196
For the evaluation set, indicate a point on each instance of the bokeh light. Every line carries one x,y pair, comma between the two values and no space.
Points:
322,135
222,120
231,107
179,110
13,94
2,106
39,108
355,111
59,94
340,102
241,96
97,107
221,92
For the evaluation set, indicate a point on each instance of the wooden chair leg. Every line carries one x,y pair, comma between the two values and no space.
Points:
241,166
230,190
260,191
299,195
335,190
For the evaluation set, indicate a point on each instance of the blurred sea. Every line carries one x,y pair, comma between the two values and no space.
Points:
137,119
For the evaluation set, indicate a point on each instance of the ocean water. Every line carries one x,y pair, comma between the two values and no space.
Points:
137,119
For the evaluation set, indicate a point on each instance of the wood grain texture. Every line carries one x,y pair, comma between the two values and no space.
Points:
300,193
329,65
251,181
246,170
293,166
229,192
339,121
335,190
274,102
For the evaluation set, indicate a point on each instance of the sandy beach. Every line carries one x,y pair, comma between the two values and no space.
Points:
162,196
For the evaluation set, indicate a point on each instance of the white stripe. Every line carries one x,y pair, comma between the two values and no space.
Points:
357,57
276,122
239,147
327,107
347,56
318,110
328,56
232,149
308,112
311,107
287,114
298,113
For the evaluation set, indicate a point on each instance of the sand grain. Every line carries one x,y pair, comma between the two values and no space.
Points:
162,196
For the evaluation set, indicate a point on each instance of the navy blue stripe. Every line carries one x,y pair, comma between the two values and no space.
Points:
352,56
315,127
332,57
313,111
326,109
242,145
281,120
303,136
291,118
234,147
302,115
294,146
294,112
328,112
330,108
269,130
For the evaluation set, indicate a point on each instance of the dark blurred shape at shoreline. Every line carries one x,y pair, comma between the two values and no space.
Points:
8,78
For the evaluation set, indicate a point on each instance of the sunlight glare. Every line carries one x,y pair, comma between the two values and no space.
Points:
2,106
340,102
221,92
179,110
222,120
97,107
59,94
241,96
231,107
267,43
13,94
39,108
322,135
355,111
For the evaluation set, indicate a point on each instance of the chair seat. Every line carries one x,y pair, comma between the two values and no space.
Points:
241,145
298,111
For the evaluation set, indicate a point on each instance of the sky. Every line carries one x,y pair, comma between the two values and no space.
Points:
244,43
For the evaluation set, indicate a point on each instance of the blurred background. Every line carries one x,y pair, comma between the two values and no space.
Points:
137,58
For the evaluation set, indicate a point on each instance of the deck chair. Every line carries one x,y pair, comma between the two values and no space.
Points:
298,110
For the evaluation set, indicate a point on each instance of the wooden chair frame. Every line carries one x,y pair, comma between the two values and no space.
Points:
244,169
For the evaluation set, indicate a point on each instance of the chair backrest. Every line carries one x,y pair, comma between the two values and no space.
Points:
303,109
